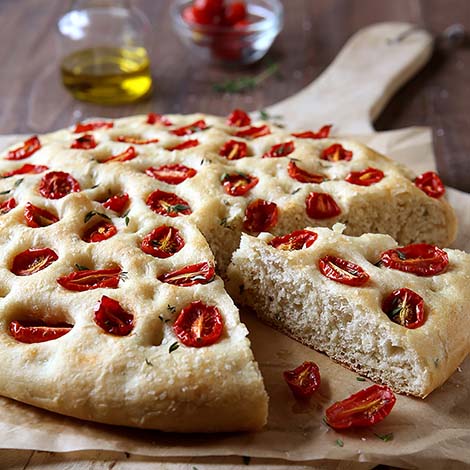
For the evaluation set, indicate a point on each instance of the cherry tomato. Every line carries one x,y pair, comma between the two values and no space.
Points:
340,270
128,154
99,232
29,147
335,153
234,150
190,128
117,203
7,206
297,240
57,184
365,177
303,176
88,279
201,273
32,261
136,140
171,174
163,242
36,332
91,126
260,216
185,145
26,169
238,118
323,133
36,217
238,184
112,318
85,142
303,380
280,150
321,206
420,259
362,409
199,325
405,307
253,132
431,184
154,118
168,204
234,13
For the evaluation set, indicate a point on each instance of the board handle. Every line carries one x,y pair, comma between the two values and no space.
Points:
356,86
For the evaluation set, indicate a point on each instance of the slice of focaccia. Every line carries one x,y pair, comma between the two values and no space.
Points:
398,315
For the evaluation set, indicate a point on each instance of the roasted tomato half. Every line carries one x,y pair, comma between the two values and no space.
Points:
32,261
340,270
57,184
190,128
322,133
253,132
260,216
431,184
135,140
280,150
117,203
163,242
168,204
26,169
405,307
36,217
238,184
88,279
336,153
365,177
128,154
154,118
297,240
238,118
112,318
201,273
303,380
321,206
199,325
92,126
420,259
234,150
99,232
171,174
29,147
85,142
7,206
362,409
187,144
303,176
37,332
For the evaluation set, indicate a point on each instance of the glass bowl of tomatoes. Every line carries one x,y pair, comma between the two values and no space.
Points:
228,32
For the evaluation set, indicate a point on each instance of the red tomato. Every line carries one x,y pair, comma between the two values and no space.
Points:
85,142
168,204
57,184
253,132
128,154
136,140
323,133
154,118
35,332
185,145
303,176
99,232
26,169
36,217
234,150
117,203
405,307
280,150
171,174
297,240
362,409
7,206
321,206
238,118
238,184
303,380
33,260
91,126
335,153
201,273
190,128
199,325
112,318
83,280
340,270
234,13
365,177
163,242
29,147
420,259
260,216
431,184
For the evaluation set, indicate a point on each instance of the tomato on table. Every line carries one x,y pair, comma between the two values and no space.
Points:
57,184
28,148
303,176
342,271
304,380
280,150
7,206
365,177
26,169
85,142
87,279
431,184
171,174
128,154
336,153
297,240
321,206
37,332
234,150
322,133
163,242
92,126
168,204
201,273
32,261
36,217
117,203
112,318
184,145
238,184
260,216
405,307
238,118
100,231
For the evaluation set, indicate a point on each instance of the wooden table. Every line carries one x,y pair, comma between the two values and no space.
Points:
32,100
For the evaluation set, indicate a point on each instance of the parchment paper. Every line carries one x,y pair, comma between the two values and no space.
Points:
434,433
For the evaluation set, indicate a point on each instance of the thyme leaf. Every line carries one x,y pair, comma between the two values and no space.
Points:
174,346
81,268
339,443
385,437
148,362
93,213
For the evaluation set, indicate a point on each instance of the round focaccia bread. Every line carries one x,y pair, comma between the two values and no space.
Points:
295,285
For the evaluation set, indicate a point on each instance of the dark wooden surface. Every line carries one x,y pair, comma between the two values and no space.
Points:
32,100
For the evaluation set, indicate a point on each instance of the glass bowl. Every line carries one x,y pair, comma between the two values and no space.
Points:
231,45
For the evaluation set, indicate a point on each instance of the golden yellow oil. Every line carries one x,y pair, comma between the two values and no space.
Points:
108,75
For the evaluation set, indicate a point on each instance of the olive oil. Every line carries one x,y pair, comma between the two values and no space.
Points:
108,75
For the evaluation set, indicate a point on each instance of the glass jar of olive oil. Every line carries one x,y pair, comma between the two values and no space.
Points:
105,58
